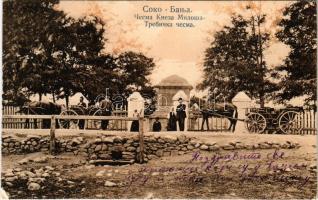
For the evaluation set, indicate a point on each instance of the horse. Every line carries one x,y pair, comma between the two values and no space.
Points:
40,108
220,110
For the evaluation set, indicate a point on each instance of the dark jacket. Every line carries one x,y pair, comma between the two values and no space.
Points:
181,113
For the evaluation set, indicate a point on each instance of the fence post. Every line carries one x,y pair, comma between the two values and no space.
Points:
141,140
52,135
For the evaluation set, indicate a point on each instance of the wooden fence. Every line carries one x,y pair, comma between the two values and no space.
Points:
16,123
308,121
215,124
19,123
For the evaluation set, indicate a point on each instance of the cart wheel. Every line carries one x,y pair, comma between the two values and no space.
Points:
97,124
255,123
68,123
290,122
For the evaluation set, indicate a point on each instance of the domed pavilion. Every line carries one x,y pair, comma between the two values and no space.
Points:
169,87
169,90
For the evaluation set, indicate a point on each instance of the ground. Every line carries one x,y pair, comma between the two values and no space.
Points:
183,176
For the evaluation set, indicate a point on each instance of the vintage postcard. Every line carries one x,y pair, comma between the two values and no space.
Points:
159,99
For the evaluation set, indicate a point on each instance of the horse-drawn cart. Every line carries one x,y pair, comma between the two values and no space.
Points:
49,108
287,120
80,110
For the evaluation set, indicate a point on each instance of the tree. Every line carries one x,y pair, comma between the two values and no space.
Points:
25,24
78,47
48,52
134,68
121,75
299,32
234,61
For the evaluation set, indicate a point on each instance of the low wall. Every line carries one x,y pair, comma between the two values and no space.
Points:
110,147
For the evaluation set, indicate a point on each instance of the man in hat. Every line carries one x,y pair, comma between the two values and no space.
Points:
181,114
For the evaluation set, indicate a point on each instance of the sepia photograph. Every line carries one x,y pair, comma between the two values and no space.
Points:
131,99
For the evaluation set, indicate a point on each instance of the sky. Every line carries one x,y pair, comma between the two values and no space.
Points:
175,50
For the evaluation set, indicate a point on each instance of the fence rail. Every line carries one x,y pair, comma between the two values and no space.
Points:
307,119
35,122
13,120
215,124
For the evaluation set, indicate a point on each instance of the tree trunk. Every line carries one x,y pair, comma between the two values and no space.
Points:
40,96
262,98
67,101
53,95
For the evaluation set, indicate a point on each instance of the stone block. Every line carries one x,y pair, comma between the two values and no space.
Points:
182,139
118,139
190,147
151,157
104,147
214,148
130,149
105,156
204,147
170,139
264,145
159,153
228,147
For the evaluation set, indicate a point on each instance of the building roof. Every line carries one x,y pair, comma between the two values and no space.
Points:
174,80
135,96
180,94
241,96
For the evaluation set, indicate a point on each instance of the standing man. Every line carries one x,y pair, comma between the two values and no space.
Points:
181,114
81,122
106,106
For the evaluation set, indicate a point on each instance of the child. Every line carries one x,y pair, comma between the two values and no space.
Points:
156,125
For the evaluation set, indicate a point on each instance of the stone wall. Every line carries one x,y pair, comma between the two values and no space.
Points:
127,147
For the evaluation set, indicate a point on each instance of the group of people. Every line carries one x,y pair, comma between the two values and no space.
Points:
173,117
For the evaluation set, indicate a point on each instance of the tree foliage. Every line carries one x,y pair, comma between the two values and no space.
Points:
299,32
25,28
232,62
47,52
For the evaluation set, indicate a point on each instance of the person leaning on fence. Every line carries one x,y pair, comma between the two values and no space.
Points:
172,121
105,106
135,123
156,127
81,122
181,114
